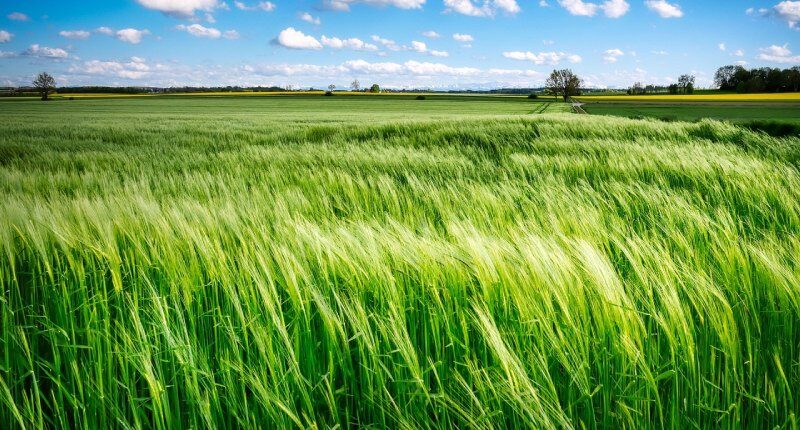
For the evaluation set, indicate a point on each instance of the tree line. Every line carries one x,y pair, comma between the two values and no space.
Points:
759,80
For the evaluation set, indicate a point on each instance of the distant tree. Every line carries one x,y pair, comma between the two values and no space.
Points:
355,85
727,78
375,88
44,84
685,82
331,87
673,89
564,83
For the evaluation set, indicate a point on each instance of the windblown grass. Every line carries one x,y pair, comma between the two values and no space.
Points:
544,272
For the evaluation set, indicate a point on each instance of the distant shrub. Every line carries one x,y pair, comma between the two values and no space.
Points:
420,97
72,98
328,93
533,96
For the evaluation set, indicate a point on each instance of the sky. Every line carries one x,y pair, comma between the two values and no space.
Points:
437,44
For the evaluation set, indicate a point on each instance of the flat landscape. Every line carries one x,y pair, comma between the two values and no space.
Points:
387,262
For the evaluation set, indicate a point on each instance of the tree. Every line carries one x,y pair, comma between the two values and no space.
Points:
355,86
686,82
331,87
564,83
44,84
375,88
727,78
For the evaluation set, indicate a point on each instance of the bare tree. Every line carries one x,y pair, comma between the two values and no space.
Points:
355,86
45,84
564,83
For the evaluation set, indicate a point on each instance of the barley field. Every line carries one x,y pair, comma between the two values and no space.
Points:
291,262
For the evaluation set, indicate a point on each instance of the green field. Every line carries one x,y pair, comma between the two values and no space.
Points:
740,113
384,262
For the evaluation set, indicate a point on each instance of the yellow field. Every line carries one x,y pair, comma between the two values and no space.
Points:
781,97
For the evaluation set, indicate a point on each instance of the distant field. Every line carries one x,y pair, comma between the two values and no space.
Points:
690,112
779,97
383,262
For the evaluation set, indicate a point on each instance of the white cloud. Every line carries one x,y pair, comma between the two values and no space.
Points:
664,9
551,58
722,47
198,30
458,37
611,8
307,17
294,39
231,34
612,55
75,34
548,42
45,52
266,6
739,53
104,30
344,5
131,35
351,43
615,8
5,36
422,48
660,52
18,16
210,19
431,34
486,9
387,43
788,11
180,8
136,68
544,3
778,54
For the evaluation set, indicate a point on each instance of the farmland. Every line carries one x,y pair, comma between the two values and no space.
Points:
456,262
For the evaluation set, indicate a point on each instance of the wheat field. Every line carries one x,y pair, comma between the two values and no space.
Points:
309,263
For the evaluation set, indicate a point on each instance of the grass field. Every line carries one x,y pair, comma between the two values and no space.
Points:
741,113
730,98
324,262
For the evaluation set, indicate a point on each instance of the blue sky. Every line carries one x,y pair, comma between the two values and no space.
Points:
396,43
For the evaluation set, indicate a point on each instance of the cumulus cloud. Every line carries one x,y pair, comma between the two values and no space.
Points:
664,9
551,58
738,53
344,5
104,30
45,52
422,48
266,6
430,34
295,39
351,43
778,54
722,47
487,8
198,30
307,17
74,34
180,8
465,38
5,36
131,35
387,43
788,11
18,16
611,8
136,68
612,55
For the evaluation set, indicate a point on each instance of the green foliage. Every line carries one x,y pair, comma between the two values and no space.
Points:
283,263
